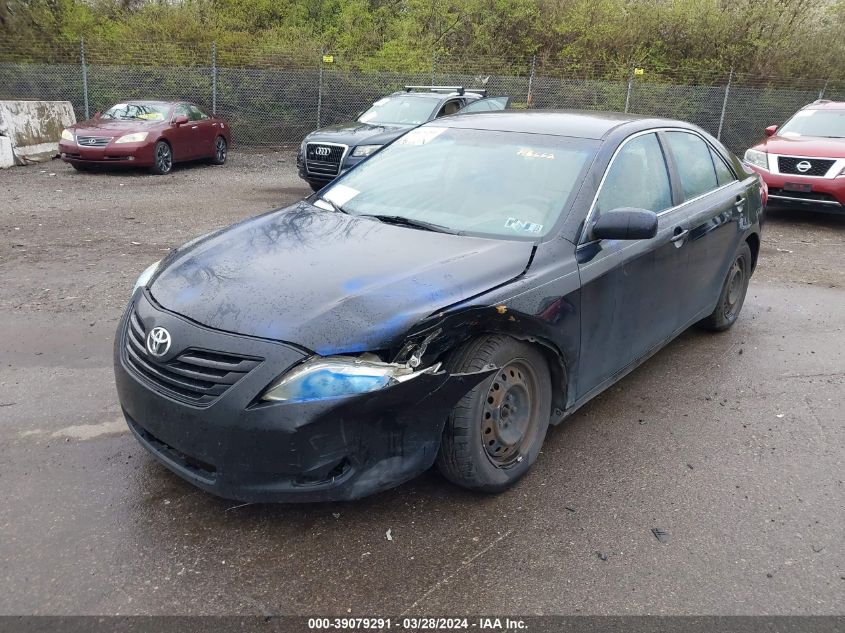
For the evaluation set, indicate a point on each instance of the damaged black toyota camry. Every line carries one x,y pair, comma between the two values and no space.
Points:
442,303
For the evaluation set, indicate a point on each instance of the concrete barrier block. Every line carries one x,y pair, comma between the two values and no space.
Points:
34,128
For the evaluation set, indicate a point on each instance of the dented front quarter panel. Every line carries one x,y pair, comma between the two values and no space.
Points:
542,306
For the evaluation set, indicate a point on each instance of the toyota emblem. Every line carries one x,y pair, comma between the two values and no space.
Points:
804,166
322,151
158,341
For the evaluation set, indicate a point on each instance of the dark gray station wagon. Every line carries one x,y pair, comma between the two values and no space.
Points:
443,302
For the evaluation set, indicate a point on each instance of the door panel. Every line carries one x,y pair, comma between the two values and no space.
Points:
206,132
181,137
716,201
629,289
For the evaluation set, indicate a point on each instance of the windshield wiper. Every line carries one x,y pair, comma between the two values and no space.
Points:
415,224
335,206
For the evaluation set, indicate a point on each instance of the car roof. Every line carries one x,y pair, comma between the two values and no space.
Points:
825,104
435,95
575,123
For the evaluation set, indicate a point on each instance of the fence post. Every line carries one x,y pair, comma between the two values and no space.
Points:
725,104
84,76
320,91
214,77
530,98
630,86
433,66
824,89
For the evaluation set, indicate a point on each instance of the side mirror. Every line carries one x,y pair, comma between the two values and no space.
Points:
626,224
180,120
770,131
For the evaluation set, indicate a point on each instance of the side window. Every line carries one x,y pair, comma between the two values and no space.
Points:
723,173
637,178
488,104
450,107
695,164
196,113
182,110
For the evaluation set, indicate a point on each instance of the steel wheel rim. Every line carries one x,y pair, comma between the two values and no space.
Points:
220,149
163,157
508,412
736,281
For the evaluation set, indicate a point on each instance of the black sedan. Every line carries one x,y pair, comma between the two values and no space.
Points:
442,303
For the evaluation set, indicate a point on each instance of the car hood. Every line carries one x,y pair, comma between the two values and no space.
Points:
113,126
356,133
330,282
803,146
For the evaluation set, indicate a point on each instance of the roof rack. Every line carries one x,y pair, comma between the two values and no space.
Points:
448,89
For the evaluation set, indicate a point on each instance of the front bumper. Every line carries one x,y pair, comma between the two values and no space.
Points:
240,448
137,154
826,194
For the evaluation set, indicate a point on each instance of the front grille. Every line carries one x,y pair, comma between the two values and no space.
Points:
195,376
324,160
818,166
93,141
199,468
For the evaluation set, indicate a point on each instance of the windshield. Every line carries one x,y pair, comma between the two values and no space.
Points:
142,111
401,110
482,182
821,123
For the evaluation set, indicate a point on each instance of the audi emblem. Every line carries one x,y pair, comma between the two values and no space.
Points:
322,151
804,166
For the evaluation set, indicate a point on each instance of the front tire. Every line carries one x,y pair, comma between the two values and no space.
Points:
163,158
495,432
733,293
221,151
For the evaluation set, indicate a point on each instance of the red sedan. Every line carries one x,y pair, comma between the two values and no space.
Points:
152,134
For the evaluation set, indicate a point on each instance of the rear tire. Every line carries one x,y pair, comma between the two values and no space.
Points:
163,158
221,151
495,432
733,293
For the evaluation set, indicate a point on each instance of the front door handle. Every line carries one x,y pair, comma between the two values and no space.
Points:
740,203
679,235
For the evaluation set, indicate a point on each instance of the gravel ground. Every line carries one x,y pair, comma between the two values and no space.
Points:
733,444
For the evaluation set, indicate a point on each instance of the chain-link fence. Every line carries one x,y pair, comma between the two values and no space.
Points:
272,100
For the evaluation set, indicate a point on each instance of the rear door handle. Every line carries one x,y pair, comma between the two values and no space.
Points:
679,235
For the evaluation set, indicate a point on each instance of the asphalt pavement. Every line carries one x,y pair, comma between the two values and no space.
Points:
730,446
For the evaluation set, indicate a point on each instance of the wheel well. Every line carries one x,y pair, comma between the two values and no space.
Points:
754,244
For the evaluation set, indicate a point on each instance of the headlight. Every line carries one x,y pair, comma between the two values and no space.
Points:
366,150
757,158
331,376
144,277
136,137
67,135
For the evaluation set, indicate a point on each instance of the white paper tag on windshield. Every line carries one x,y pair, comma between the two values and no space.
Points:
421,136
518,225
340,194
